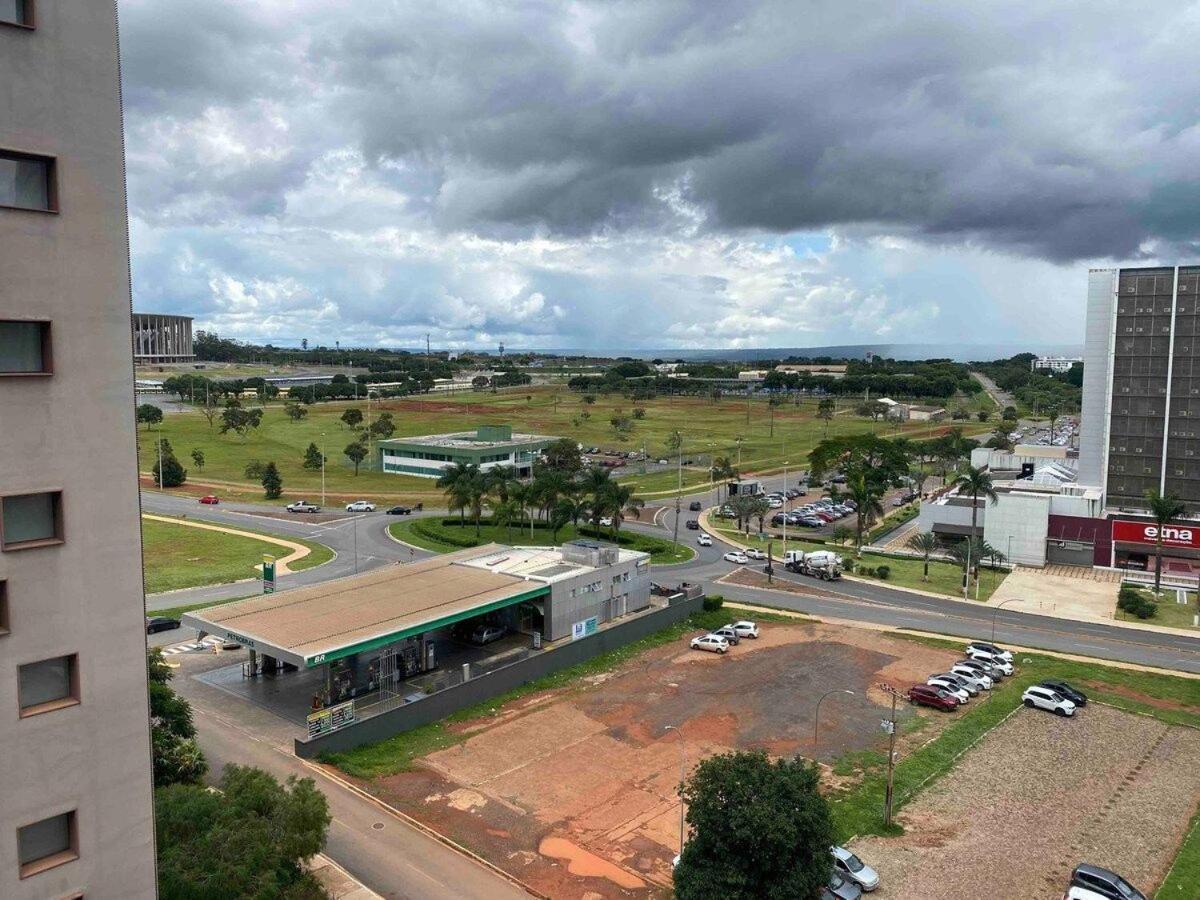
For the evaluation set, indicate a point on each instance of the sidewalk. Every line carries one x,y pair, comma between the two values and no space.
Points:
338,883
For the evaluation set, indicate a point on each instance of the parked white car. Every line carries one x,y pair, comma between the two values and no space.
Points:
606,521
754,553
1003,654
704,540
736,556
952,687
854,869
745,629
360,506
997,662
710,642
970,685
972,676
1044,698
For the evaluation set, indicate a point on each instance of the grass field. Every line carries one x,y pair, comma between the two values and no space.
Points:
434,534
709,429
944,578
1170,613
178,556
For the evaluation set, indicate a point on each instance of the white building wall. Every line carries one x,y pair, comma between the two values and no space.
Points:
1017,524
1097,377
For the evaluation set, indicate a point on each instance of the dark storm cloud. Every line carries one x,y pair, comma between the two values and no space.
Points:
1056,130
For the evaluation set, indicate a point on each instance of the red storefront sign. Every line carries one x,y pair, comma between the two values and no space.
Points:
1147,533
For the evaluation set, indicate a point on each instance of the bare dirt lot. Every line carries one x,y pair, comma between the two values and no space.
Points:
1038,794
574,791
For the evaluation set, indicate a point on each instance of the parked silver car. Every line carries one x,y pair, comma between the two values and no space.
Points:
851,868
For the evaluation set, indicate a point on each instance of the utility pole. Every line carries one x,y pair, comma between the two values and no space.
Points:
322,468
887,809
679,492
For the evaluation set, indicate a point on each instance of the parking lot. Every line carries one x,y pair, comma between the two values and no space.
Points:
574,789
1038,795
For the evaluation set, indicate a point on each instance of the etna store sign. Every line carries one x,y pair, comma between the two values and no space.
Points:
1148,533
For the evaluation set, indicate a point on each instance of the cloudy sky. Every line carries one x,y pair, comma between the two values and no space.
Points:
653,173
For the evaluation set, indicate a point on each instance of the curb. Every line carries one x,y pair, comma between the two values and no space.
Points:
424,829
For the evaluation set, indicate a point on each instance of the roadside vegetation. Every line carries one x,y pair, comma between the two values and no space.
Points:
1173,700
248,838
447,535
180,556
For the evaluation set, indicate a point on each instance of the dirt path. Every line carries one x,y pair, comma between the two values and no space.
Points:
299,551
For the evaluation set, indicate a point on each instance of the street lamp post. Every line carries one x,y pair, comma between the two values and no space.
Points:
817,715
996,611
785,508
682,778
322,468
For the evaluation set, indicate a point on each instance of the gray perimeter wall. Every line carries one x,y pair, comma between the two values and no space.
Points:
439,705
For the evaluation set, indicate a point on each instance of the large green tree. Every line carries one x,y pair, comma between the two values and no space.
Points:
150,414
760,830
352,418
250,840
272,481
176,757
1165,508
167,470
313,458
867,495
356,452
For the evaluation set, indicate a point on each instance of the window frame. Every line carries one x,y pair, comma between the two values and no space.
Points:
5,622
51,179
54,860
59,532
30,18
47,346
73,697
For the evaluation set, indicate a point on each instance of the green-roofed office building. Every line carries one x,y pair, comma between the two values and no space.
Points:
488,446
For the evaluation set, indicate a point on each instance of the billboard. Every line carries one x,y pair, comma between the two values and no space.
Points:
1187,536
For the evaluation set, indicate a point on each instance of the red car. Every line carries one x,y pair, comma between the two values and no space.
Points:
926,695
210,499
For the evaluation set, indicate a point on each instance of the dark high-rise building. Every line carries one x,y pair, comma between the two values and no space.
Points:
1141,388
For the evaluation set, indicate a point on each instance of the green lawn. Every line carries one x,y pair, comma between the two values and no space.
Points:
944,578
174,612
709,429
1170,613
178,556
436,535
860,810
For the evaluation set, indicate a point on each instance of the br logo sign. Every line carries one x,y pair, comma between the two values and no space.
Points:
1149,533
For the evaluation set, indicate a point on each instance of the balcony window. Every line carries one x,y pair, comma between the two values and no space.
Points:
16,12
24,348
30,520
27,182
46,844
48,685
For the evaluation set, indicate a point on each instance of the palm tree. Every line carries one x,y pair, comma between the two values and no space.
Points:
596,483
865,494
453,481
503,514
619,499
925,543
977,483
566,510
523,497
498,478
722,469
1164,508
759,510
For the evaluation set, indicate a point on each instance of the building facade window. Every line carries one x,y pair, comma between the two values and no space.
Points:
30,520
16,12
24,348
27,181
48,684
48,843
4,626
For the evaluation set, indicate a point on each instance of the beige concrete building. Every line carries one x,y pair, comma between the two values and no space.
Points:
76,814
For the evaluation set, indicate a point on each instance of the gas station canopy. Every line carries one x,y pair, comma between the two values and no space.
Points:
314,625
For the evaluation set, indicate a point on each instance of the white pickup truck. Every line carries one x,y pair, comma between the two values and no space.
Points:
303,506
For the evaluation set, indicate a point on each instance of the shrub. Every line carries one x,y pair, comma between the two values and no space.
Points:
1135,604
713,602
883,572
1128,591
